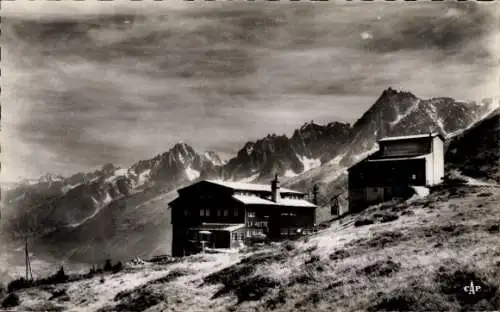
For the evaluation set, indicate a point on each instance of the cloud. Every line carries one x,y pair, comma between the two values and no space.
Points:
87,89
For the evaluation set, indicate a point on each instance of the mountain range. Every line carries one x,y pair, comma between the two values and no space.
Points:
124,210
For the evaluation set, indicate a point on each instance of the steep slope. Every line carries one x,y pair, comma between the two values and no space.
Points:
476,152
415,256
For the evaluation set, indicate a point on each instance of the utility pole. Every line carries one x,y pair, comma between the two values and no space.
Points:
29,273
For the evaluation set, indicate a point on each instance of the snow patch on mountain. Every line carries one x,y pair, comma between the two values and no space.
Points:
214,158
143,177
365,154
249,179
408,112
122,172
68,187
437,120
107,199
336,160
309,163
191,173
290,173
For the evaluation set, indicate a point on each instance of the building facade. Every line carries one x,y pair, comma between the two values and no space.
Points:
400,162
217,214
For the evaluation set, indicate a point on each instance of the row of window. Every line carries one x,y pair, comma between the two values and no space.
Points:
261,224
235,236
206,212
254,232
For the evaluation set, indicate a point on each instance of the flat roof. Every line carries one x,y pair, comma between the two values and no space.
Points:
397,158
414,136
287,202
240,186
218,227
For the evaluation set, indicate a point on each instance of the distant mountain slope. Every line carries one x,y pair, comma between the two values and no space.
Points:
476,152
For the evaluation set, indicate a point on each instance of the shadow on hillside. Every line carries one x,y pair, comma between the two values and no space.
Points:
447,293
148,295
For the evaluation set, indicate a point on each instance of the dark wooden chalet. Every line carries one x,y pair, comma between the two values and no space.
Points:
217,214
400,162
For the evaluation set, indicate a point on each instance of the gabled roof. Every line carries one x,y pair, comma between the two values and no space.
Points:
240,186
287,202
414,136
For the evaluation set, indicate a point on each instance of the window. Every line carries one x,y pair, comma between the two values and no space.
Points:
186,212
235,236
226,212
218,213
204,212
242,236
251,214
235,212
413,176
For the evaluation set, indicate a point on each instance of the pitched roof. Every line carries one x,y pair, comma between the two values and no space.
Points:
288,202
411,137
240,186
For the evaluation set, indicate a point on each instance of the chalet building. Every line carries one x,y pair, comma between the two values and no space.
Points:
415,160
217,214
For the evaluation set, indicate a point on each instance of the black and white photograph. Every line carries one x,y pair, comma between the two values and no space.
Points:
249,156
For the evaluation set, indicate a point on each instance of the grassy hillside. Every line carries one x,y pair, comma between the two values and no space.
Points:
395,256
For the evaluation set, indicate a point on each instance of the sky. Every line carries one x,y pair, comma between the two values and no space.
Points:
87,83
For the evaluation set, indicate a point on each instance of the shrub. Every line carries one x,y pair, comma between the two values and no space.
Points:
254,288
12,300
107,265
313,259
19,283
339,255
60,294
388,217
362,222
289,246
485,194
276,301
138,299
117,267
495,228
381,268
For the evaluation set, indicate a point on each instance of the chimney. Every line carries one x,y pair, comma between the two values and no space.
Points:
315,191
275,189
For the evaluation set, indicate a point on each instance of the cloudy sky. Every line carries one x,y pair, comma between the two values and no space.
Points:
87,83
